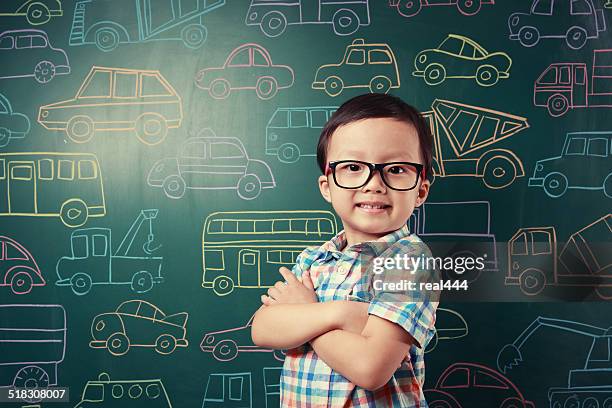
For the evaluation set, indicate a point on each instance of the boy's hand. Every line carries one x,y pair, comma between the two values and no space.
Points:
293,291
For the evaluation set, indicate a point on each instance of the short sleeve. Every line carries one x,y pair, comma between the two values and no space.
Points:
304,260
411,308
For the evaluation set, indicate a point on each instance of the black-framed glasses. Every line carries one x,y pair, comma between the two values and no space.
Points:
402,176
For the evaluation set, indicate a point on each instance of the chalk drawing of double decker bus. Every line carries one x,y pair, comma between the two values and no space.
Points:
245,249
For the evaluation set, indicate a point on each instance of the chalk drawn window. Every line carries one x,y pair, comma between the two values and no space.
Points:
299,118
326,226
153,86
130,307
45,169
6,43
2,171
135,391
100,245
98,86
38,41
468,50
580,7
549,76
117,390
451,45
146,310
280,119
543,7
65,169
458,378
379,57
576,146
214,388
80,246
240,59
540,241
21,173
24,41
153,391
225,151
235,388
259,60
564,75
194,150
214,260
580,74
318,118
485,380
248,258
356,57
519,246
14,254
126,85
598,147
87,169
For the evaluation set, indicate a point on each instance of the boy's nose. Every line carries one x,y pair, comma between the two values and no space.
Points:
375,183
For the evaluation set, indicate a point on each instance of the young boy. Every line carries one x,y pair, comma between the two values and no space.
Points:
350,342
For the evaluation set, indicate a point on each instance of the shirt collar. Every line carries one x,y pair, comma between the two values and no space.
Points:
334,247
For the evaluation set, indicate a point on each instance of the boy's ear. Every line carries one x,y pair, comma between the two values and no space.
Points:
324,188
423,192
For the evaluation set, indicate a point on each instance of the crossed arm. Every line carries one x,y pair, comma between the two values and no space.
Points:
365,349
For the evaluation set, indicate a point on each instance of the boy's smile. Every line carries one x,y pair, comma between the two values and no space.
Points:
373,210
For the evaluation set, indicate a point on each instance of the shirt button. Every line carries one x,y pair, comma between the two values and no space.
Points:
342,270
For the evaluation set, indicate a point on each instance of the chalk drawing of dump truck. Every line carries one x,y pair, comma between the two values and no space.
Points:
463,136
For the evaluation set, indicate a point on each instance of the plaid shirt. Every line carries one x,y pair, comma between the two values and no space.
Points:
306,380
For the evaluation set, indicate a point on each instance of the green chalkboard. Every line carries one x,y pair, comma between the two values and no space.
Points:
157,166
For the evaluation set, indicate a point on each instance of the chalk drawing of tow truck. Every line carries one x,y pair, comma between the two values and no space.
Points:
92,263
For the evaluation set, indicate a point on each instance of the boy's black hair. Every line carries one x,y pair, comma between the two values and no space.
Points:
376,105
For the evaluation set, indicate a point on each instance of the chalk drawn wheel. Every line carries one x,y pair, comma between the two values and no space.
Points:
468,7
80,129
73,213
273,24
572,402
151,128
499,172
576,37
409,8
194,35
142,282
225,350
80,283
249,187
5,136
380,84
288,153
107,39
487,75
333,85
345,22
528,36
607,188
21,283
118,344
266,88
222,285
557,105
434,74
31,377
607,403
44,72
174,186
555,184
219,88
532,281
37,14
512,403
165,344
